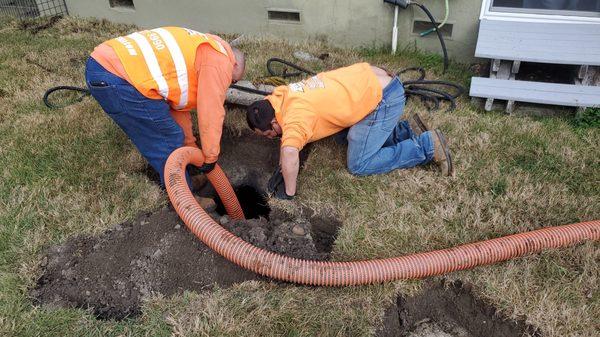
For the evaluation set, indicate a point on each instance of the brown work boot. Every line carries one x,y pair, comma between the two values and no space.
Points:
441,153
419,123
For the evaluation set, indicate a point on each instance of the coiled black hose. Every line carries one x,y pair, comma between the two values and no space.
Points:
419,87
301,71
428,91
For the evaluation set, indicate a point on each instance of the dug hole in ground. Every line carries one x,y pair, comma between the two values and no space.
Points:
155,254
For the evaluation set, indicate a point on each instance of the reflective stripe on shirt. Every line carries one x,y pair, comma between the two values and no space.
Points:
152,62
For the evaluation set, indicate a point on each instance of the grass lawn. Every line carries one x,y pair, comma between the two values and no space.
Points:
72,171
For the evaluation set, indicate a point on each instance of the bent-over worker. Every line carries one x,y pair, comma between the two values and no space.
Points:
360,97
149,81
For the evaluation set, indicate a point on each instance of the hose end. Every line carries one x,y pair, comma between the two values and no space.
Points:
400,3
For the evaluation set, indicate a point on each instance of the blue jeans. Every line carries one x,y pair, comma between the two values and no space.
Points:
381,143
147,122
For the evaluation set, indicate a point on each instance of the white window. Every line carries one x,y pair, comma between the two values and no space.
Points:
543,10
556,7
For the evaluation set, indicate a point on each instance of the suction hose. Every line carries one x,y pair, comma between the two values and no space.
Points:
318,273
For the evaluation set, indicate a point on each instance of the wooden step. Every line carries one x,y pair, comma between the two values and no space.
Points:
536,92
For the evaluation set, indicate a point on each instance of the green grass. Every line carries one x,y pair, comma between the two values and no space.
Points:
72,171
589,118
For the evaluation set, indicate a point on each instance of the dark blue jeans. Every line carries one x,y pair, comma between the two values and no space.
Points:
381,143
147,122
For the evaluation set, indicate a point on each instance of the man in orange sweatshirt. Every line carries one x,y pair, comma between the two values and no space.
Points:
360,97
149,81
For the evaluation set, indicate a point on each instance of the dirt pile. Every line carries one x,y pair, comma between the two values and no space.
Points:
112,273
309,239
449,310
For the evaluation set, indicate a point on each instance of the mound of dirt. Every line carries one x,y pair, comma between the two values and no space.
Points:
449,310
309,239
112,273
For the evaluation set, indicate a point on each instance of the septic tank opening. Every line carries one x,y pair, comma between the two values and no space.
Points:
254,202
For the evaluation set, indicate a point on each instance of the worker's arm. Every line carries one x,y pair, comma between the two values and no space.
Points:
214,77
184,119
290,165
297,131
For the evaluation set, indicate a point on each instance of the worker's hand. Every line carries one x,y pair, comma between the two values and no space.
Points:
276,186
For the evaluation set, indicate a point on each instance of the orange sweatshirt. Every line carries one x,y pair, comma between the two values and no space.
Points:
325,104
214,71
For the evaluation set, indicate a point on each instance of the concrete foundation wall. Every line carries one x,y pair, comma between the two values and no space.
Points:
355,23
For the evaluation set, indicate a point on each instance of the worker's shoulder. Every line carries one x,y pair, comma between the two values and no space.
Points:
206,55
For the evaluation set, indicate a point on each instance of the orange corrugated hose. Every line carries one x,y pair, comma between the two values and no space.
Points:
346,273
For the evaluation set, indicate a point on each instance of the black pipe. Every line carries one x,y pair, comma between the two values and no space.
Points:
439,34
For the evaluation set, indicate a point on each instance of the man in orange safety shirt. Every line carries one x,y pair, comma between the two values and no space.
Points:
361,97
149,81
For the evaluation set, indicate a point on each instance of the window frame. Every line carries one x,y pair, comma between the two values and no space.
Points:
542,15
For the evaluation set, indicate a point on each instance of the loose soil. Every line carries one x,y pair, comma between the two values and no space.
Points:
112,273
155,254
308,238
449,310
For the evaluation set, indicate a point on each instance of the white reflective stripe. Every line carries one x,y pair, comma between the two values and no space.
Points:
152,62
180,66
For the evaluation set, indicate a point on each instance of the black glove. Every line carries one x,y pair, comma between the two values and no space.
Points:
275,180
276,186
204,169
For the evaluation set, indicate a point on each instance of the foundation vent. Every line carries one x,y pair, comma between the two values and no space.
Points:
421,26
284,15
121,4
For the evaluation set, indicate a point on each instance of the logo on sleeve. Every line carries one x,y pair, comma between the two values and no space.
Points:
309,84
297,87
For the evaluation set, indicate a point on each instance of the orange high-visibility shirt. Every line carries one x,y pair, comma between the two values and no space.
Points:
325,104
186,68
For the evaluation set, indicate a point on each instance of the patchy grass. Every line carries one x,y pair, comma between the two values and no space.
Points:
72,171
589,118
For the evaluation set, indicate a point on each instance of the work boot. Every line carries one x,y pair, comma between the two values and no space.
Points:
441,153
419,122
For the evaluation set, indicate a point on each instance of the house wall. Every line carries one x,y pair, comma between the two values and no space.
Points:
354,23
